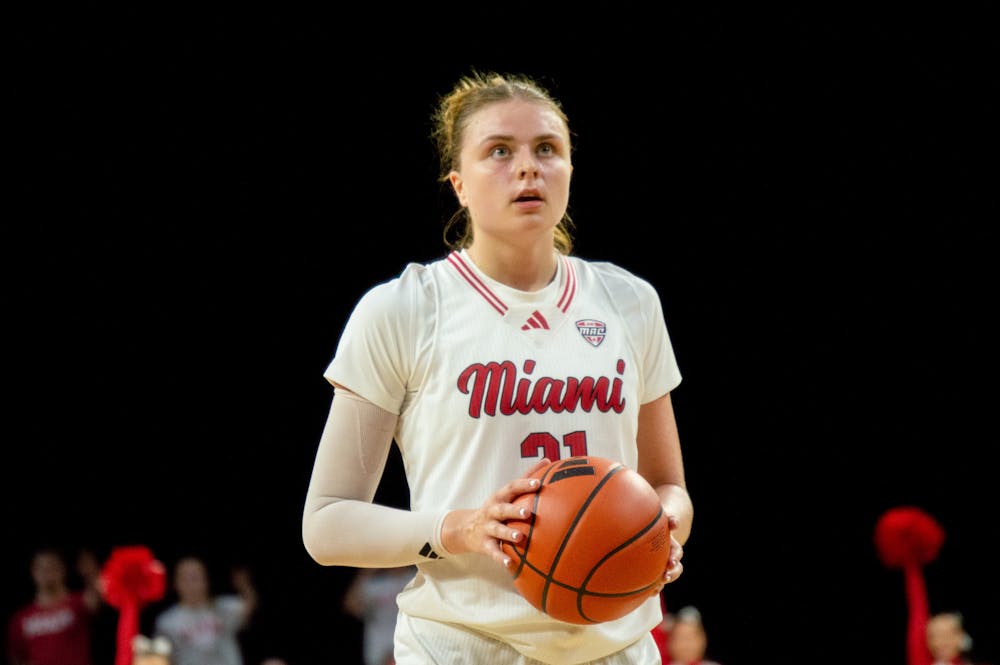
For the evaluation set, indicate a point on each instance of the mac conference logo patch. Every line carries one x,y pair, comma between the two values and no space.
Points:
592,330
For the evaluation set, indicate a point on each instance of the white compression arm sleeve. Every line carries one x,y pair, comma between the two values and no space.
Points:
340,524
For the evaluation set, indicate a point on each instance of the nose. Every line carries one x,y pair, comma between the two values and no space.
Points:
526,164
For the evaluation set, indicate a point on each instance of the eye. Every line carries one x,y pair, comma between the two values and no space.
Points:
499,151
546,149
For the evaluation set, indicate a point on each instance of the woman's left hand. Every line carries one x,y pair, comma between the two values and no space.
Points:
674,565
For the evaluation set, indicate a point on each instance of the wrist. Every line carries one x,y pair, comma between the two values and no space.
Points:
450,531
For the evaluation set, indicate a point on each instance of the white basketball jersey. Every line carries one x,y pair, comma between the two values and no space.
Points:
487,380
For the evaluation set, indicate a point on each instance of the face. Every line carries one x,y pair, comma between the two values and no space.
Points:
191,581
687,642
515,171
944,637
48,570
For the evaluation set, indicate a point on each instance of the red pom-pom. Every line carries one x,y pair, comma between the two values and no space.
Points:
907,536
133,577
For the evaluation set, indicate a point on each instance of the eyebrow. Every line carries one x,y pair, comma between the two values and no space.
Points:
508,137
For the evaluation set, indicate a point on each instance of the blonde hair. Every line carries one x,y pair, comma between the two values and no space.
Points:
450,118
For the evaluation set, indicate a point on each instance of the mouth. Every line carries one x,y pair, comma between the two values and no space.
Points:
528,196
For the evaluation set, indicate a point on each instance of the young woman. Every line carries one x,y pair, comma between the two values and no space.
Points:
505,354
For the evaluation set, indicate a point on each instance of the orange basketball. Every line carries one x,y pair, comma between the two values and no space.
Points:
597,543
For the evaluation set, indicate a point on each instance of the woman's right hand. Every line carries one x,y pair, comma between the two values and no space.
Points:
483,529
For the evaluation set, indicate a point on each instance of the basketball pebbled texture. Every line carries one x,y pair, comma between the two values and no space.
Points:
596,545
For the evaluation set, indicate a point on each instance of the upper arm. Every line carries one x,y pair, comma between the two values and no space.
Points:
384,346
661,463
352,451
659,445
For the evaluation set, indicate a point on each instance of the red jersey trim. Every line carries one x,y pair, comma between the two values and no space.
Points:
467,273
470,276
569,290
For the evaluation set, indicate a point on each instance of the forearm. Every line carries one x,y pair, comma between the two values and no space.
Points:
367,535
340,524
677,503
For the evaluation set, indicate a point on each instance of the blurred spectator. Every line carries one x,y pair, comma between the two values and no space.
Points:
54,628
688,642
202,627
104,622
371,598
947,640
263,638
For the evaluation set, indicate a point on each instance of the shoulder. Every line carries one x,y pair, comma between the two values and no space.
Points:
608,271
164,622
616,279
21,612
412,286
168,615
229,602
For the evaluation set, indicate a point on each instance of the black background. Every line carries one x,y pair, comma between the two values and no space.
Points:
199,200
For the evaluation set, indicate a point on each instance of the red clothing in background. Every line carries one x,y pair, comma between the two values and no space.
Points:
53,635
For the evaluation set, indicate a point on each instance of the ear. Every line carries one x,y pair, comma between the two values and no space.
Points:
458,185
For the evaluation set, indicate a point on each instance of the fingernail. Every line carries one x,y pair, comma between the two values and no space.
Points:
534,482
506,562
515,536
523,512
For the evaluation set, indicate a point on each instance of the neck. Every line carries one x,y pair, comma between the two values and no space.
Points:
195,602
50,596
525,269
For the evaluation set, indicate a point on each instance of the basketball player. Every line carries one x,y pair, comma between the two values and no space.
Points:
505,354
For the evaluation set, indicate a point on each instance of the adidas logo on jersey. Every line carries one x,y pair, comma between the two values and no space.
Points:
536,320
429,552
